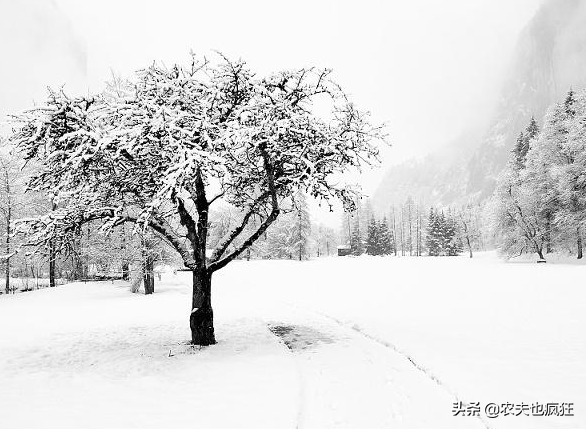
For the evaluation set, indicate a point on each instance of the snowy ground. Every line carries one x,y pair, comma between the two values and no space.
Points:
360,343
26,284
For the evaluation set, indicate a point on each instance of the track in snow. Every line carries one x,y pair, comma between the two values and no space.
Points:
408,357
349,379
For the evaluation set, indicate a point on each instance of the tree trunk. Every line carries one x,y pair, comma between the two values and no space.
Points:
548,224
125,263
579,244
8,232
410,232
540,253
77,267
394,233
52,255
469,245
125,270
52,266
201,319
7,274
148,276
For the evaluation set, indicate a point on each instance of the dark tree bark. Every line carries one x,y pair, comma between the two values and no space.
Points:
125,270
52,256
579,242
8,229
52,266
77,266
125,264
8,249
148,263
201,320
148,275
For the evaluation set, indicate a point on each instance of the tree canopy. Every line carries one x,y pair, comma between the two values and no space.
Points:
158,150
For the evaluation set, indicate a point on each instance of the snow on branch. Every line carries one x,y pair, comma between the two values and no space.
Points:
166,144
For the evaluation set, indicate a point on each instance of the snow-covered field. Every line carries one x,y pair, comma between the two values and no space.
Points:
360,343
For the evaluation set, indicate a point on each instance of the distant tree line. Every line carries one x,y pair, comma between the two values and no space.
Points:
443,232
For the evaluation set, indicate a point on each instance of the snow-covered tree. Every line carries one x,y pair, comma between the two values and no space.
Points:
14,204
301,233
325,239
10,191
517,220
161,151
452,243
434,236
568,169
442,234
356,241
372,237
535,202
393,228
544,153
385,237
469,229
522,145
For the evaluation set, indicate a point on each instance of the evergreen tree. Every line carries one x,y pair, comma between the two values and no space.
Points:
516,222
434,234
442,234
570,103
373,237
540,199
543,159
520,150
524,142
453,245
385,237
568,173
531,132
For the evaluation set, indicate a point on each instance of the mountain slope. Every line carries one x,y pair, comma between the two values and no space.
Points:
550,58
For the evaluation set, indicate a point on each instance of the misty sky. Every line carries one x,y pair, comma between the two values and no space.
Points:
429,68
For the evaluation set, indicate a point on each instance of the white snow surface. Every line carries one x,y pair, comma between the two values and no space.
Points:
362,343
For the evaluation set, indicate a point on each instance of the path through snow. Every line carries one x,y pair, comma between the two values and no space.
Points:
350,381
